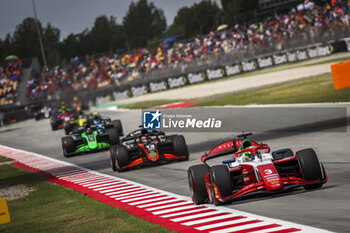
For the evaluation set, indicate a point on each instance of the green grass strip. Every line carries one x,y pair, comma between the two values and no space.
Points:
318,89
4,159
54,208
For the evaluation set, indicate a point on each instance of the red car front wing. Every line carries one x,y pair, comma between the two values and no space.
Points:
259,187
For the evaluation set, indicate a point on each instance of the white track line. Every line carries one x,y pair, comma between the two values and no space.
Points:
272,230
230,222
241,228
109,192
80,177
147,201
64,171
143,197
126,191
197,216
133,194
185,212
209,219
159,203
69,173
105,186
169,206
94,182
173,210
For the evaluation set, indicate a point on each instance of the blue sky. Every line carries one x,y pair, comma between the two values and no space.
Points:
73,16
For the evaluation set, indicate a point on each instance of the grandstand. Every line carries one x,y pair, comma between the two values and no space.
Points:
10,73
220,47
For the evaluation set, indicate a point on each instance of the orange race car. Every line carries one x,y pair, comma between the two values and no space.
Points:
147,147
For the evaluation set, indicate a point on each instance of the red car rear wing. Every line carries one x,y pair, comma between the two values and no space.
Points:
234,151
218,154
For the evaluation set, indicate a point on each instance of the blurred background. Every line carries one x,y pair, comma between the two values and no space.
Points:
129,45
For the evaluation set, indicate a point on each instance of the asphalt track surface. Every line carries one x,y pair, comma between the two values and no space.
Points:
326,208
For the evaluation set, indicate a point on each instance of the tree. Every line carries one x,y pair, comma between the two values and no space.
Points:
181,20
2,54
106,35
205,17
239,11
142,22
51,41
200,18
8,47
51,37
77,45
25,39
85,44
69,47
53,58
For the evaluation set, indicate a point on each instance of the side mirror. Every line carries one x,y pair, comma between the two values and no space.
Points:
258,154
229,161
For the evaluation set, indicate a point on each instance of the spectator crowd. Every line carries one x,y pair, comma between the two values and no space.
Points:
10,72
277,33
77,76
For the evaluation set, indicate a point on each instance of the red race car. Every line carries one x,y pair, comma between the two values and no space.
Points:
252,170
60,116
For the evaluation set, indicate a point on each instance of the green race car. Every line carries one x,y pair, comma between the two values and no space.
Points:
89,139
95,118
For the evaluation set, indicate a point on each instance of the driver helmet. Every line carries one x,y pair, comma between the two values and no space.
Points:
96,115
248,156
88,130
145,139
63,105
